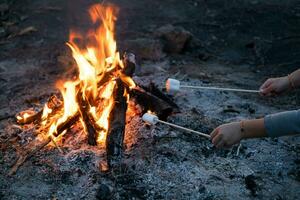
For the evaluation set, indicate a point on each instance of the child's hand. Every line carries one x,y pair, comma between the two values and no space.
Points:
226,135
274,86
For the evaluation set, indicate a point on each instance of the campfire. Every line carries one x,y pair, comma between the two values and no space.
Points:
96,100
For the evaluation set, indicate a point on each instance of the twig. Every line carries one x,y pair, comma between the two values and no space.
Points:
238,149
20,161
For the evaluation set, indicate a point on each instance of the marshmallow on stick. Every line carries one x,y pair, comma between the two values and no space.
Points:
153,119
173,86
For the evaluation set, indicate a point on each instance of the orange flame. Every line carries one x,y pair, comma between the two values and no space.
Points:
95,62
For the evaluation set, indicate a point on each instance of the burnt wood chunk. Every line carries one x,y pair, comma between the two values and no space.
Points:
129,64
153,89
66,124
105,78
153,103
29,152
117,121
88,119
53,103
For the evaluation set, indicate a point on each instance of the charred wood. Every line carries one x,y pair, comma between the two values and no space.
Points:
53,103
153,89
153,103
34,148
117,121
88,120
129,64
67,124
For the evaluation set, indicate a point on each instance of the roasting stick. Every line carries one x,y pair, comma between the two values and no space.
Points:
152,119
221,89
174,85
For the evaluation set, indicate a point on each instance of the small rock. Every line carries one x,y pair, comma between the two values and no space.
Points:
149,49
230,109
175,38
251,184
251,110
202,189
103,192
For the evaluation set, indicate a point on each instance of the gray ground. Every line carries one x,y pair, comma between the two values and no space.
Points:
243,43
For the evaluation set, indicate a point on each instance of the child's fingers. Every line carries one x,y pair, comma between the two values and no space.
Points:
214,133
267,91
217,139
266,84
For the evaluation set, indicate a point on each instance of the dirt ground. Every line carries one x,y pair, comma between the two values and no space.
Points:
236,44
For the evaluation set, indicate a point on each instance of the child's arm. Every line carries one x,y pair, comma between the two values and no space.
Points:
284,123
274,86
295,78
280,124
229,134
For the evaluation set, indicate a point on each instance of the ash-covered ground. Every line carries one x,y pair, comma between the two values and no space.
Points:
235,44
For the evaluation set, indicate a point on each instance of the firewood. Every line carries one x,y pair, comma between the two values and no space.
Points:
67,124
90,123
153,89
117,121
106,77
31,118
53,103
151,102
129,64
34,148
27,154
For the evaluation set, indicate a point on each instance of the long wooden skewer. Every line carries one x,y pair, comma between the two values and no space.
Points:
173,85
153,119
185,129
221,89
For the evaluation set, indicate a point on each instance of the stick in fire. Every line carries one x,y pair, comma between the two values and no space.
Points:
117,121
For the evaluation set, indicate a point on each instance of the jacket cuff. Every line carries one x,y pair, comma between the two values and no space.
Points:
284,123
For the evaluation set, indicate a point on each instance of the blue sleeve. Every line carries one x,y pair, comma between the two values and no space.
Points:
284,123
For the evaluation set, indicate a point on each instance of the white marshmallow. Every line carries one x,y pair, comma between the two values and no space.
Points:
172,85
149,118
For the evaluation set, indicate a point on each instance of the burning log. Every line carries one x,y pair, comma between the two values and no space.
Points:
117,121
66,124
151,102
153,89
90,124
26,117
